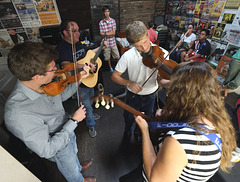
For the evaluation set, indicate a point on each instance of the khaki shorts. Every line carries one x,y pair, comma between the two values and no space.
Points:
107,52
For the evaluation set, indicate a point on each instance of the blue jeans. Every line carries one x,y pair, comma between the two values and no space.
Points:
67,161
233,77
142,103
86,94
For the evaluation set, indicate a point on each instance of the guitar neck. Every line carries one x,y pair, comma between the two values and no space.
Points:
98,52
124,106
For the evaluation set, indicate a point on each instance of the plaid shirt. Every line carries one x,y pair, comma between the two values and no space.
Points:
105,27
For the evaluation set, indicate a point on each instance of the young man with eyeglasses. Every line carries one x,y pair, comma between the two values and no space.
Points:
39,120
70,32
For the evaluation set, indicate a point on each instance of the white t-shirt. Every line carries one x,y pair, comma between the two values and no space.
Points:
131,61
189,39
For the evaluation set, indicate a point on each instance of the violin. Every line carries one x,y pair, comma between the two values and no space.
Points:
155,59
61,79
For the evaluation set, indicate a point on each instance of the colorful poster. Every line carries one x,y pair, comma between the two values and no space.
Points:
212,26
199,8
219,31
222,68
27,13
217,9
47,12
201,25
190,8
228,18
8,15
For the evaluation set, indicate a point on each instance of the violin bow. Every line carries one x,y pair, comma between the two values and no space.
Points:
165,58
75,67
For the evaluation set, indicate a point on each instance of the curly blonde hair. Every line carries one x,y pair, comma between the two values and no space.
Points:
193,94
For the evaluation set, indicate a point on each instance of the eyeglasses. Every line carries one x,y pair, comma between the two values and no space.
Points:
74,31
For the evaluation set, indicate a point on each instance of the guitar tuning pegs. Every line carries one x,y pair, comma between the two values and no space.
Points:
103,102
97,104
107,105
112,103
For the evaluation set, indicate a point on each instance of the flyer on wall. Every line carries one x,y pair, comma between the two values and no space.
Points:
8,15
27,13
47,12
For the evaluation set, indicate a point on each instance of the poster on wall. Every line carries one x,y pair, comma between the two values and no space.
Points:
18,35
232,4
231,34
231,50
27,13
5,40
222,68
190,8
219,31
47,12
217,9
8,15
33,34
228,18
219,48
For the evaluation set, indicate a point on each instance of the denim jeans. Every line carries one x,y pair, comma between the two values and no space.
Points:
67,161
142,103
233,77
86,94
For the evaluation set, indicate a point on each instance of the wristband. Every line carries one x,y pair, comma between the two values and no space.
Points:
74,120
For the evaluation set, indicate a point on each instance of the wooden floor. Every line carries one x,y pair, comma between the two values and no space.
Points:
111,157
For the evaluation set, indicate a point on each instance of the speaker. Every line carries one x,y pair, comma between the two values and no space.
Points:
50,34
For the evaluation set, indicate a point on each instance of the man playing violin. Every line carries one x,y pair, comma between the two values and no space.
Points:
70,32
139,97
40,120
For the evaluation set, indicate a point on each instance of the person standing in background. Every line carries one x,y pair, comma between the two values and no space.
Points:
107,28
152,33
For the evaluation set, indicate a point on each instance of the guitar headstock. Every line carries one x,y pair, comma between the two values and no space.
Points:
103,100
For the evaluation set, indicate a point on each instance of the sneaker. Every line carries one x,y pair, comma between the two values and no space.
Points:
96,116
111,70
92,132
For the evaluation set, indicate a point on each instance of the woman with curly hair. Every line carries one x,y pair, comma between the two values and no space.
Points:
188,153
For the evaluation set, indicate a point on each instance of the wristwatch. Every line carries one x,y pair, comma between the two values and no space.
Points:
74,120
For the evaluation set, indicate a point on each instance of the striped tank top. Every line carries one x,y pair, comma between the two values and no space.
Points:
204,158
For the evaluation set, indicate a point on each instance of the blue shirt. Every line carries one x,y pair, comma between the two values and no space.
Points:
66,53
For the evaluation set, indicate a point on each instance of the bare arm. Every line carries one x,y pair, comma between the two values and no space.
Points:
170,161
116,77
109,34
149,155
168,164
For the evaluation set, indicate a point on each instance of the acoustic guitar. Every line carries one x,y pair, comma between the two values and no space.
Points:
93,58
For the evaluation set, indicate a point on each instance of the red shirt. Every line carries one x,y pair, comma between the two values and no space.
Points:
152,35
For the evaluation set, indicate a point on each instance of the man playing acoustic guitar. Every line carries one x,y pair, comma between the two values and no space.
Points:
70,32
